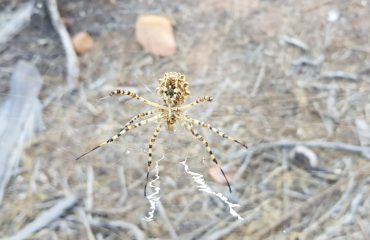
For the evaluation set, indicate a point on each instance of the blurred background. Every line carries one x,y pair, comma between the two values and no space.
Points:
291,79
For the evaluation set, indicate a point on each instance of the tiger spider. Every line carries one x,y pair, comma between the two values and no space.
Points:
174,89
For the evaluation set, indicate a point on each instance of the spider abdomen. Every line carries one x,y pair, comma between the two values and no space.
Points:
173,88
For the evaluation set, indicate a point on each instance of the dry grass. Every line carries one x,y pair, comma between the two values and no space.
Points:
272,67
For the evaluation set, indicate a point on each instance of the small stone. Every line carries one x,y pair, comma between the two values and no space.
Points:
155,35
333,15
304,157
83,42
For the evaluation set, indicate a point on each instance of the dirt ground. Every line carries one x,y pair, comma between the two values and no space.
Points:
289,78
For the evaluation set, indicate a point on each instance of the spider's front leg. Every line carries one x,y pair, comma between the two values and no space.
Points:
150,151
121,132
206,145
134,95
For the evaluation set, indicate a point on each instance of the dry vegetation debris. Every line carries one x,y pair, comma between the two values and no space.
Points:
284,74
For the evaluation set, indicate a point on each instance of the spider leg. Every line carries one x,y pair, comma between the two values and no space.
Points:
121,132
139,116
206,125
196,102
151,143
205,143
134,95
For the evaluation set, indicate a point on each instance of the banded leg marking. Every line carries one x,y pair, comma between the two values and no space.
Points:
206,125
205,143
121,132
150,151
134,95
196,102
139,116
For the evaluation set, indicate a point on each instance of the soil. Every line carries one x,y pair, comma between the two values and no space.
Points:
278,71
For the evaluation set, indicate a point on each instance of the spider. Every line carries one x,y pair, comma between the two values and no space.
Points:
174,89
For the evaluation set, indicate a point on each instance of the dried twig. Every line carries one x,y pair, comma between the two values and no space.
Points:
339,146
118,225
295,42
257,84
195,234
122,179
340,208
308,61
35,173
89,189
20,117
220,233
12,25
166,221
85,221
341,75
309,203
72,65
45,218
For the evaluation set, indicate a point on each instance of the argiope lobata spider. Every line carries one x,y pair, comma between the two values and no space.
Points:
174,89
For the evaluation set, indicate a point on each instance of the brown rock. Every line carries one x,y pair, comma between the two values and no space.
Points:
155,34
82,42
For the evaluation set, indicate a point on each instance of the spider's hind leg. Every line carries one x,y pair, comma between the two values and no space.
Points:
215,130
135,96
205,143
150,151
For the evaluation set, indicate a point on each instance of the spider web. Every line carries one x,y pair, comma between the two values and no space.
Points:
203,187
154,197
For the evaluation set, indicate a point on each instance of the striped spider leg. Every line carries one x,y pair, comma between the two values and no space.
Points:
135,96
151,143
196,102
121,132
189,125
129,125
215,130
139,116
206,145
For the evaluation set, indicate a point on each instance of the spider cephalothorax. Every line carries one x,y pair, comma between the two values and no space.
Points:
174,89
